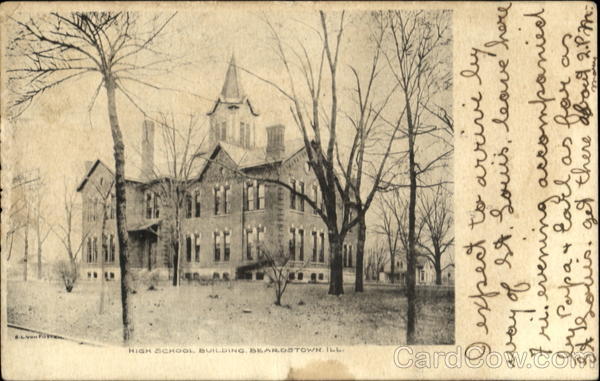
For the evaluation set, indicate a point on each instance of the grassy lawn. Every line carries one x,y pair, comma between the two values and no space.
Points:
187,315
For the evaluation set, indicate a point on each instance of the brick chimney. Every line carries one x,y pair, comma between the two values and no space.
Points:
148,149
275,141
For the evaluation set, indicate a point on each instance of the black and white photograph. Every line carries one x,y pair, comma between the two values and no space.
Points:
231,178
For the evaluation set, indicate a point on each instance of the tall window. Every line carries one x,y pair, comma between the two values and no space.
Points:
149,204
345,258
152,205
249,243
217,246
105,249
322,252
260,239
217,194
188,248
197,204
315,244
301,244
301,191
293,194
227,238
261,196
197,240
89,250
292,244
112,248
226,199
95,249
188,205
250,196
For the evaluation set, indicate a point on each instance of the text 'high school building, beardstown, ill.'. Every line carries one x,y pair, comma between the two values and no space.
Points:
228,219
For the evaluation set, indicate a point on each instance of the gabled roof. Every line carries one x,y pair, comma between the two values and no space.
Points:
91,170
245,158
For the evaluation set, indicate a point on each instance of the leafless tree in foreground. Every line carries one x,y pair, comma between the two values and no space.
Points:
346,197
119,48
104,191
435,209
66,233
418,57
364,168
279,265
181,147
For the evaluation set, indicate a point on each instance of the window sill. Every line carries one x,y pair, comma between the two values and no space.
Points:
295,211
220,215
255,211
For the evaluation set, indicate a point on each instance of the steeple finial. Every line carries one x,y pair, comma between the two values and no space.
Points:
232,88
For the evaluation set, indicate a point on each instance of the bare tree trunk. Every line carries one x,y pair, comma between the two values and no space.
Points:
122,236
104,244
336,275
392,266
411,276
438,268
360,254
178,245
178,268
175,264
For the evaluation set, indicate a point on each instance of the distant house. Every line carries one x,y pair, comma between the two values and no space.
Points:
424,272
229,219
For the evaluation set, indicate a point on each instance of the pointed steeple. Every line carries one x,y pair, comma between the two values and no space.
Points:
232,91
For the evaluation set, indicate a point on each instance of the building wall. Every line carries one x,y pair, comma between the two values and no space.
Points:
276,218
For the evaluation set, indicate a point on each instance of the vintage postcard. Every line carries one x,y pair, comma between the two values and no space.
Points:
299,190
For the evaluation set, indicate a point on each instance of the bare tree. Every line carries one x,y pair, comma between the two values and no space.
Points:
23,211
436,214
364,168
419,61
376,261
181,148
105,192
339,174
68,272
279,265
119,48
71,240
389,228
42,230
